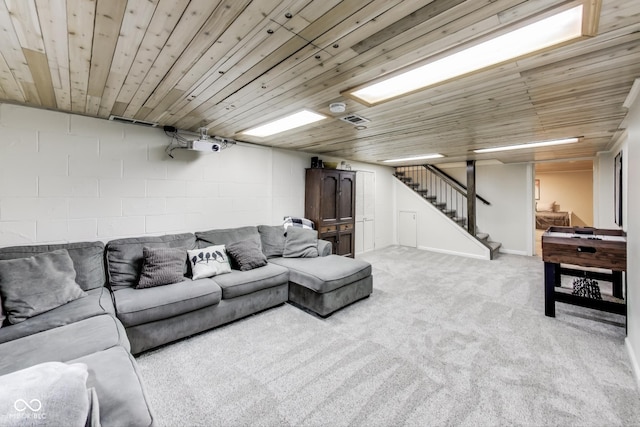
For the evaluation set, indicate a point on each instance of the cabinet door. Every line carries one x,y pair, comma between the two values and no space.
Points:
347,201
333,238
329,205
345,243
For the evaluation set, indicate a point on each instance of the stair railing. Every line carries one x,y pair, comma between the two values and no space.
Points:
444,191
454,182
437,190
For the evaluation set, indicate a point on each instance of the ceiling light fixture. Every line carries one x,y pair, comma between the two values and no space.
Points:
529,145
289,122
408,159
553,29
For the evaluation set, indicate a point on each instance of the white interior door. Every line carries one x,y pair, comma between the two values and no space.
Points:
365,211
407,229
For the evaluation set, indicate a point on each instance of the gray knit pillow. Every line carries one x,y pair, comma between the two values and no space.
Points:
161,266
246,254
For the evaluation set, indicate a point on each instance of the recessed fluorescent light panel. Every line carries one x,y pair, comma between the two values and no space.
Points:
550,31
529,145
408,159
292,121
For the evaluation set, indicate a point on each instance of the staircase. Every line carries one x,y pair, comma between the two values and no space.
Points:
446,194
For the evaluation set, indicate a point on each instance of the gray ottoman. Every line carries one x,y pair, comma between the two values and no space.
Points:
326,284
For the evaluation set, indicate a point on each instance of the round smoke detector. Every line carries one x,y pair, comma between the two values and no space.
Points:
338,107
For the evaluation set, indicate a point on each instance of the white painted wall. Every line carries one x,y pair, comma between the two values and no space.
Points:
66,177
509,218
436,232
632,220
603,188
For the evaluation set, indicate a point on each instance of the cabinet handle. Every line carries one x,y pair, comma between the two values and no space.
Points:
587,249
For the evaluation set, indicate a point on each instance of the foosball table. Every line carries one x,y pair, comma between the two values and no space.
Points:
572,251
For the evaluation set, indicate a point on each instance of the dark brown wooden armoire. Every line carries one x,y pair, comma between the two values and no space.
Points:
330,202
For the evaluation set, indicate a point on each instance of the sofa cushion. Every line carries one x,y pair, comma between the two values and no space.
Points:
114,375
272,240
33,285
227,236
124,256
54,390
208,262
238,283
246,255
97,302
64,343
324,274
161,266
88,260
300,243
138,306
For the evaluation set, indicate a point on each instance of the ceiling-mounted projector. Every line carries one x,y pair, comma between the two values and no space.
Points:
204,145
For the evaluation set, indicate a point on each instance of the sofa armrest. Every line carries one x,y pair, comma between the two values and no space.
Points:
324,247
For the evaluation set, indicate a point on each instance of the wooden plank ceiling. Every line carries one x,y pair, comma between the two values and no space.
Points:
229,65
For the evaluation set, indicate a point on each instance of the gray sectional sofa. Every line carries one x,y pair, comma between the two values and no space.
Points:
85,330
115,319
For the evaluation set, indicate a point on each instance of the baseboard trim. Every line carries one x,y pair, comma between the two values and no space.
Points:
448,252
634,361
512,252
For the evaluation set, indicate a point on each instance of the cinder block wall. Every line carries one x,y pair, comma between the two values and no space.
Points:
66,177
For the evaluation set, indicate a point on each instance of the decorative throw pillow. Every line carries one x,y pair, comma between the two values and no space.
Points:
247,254
272,237
291,221
161,266
33,285
209,261
300,243
51,393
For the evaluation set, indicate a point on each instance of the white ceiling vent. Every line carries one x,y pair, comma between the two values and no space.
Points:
354,119
132,121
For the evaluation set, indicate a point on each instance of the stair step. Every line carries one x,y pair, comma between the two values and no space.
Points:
404,179
423,192
399,174
461,221
414,185
439,205
449,212
482,236
494,245
430,198
494,248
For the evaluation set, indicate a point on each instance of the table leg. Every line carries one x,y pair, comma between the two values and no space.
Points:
617,283
557,278
551,270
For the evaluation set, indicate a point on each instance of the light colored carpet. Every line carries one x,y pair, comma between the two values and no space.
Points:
443,340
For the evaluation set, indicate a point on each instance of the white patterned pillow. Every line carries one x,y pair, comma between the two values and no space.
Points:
209,261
